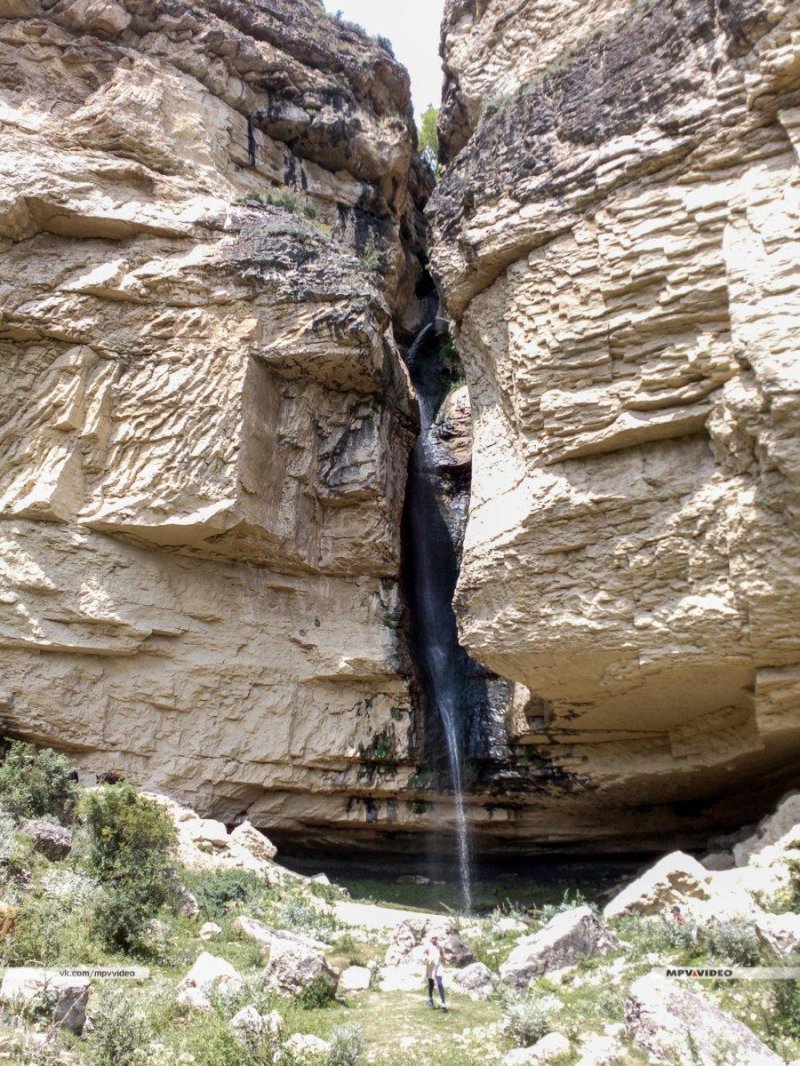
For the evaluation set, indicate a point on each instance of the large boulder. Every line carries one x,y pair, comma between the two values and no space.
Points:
566,938
405,937
672,879
780,933
266,936
596,1050
294,967
779,830
208,930
247,836
307,1049
456,951
210,974
51,840
248,1023
58,999
476,980
355,979
403,977
679,1027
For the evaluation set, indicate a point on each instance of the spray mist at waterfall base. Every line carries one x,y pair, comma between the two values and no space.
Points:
431,572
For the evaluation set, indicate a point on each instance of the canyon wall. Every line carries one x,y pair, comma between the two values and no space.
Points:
211,234
617,242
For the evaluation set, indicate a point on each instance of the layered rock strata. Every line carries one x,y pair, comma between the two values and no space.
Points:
617,244
211,234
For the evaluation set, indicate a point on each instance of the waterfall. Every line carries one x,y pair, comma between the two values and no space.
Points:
431,573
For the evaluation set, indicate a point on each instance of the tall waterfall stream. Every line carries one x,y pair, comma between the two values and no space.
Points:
431,575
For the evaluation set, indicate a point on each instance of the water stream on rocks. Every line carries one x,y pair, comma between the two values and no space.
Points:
431,575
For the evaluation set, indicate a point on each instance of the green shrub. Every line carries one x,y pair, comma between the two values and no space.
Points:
301,917
732,941
328,893
320,993
352,950
347,1045
643,935
286,198
528,1018
222,891
569,901
783,1019
120,1027
15,852
131,840
36,783
212,1042
47,932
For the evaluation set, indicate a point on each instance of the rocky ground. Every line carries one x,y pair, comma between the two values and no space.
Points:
263,965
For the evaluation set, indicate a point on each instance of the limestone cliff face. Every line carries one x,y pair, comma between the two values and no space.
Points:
210,231
618,246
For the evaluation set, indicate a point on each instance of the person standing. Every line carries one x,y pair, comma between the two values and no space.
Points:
434,969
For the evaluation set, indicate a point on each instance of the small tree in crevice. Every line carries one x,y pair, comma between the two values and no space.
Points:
130,852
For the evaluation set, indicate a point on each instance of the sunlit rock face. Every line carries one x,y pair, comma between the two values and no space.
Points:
618,246
211,236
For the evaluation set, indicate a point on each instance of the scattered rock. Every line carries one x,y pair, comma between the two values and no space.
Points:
189,907
598,1050
209,930
404,939
307,1048
355,979
566,938
51,840
550,1047
247,836
248,1022
205,844
294,966
510,925
404,977
779,932
265,935
672,879
679,1027
207,832
60,1000
455,951
254,930
8,917
476,980
320,879
209,973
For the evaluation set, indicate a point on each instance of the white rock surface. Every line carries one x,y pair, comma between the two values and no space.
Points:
209,974
355,979
248,837
63,999
308,1048
566,938
205,454
476,980
672,879
627,320
674,1024
599,1050
780,933
295,966
551,1047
